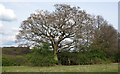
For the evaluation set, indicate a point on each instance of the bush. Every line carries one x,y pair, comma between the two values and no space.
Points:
19,56
115,58
19,60
41,55
93,56
67,58
41,58
7,61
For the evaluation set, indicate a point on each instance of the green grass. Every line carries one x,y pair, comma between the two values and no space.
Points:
74,68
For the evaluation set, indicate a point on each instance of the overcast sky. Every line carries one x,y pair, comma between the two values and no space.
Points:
13,13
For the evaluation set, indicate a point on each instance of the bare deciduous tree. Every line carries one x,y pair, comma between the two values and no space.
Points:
54,27
105,36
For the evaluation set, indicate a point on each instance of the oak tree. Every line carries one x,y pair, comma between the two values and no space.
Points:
59,27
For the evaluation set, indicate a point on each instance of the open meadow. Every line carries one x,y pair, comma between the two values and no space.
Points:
74,68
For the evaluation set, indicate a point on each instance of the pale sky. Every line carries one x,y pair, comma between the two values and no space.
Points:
13,13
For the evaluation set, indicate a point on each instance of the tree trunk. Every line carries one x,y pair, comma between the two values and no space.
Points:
55,56
55,53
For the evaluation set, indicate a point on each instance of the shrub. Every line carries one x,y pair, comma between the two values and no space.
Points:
19,60
115,58
93,56
41,55
67,58
7,61
41,58
97,56
19,56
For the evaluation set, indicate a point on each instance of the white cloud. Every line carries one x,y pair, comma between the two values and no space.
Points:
8,35
1,24
6,14
6,38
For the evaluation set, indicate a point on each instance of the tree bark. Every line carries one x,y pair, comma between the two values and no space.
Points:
55,52
55,57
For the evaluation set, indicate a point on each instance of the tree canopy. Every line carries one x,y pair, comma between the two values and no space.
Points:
65,28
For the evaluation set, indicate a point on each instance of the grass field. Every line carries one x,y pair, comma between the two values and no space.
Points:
75,68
